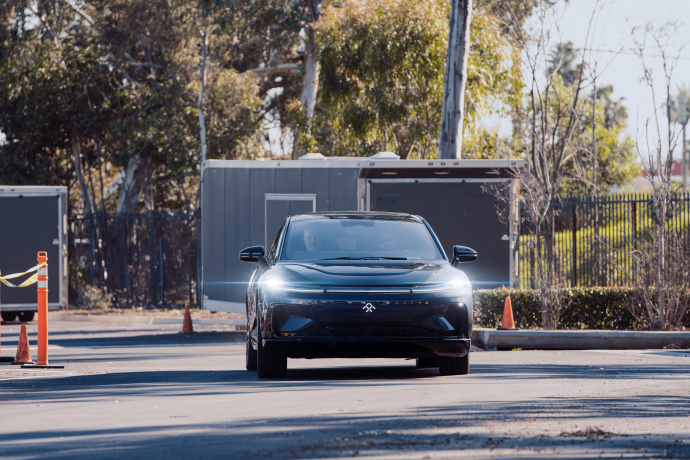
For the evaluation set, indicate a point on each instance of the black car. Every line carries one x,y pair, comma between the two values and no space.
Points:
357,285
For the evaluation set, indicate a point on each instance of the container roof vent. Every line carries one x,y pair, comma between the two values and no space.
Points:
312,156
385,156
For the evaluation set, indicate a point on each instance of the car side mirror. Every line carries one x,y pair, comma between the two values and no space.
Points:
463,254
252,254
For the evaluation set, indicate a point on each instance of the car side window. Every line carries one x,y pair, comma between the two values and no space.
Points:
274,247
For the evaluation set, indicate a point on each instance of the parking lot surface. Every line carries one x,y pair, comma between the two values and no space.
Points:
137,389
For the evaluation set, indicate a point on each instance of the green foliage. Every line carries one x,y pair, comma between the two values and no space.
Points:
382,71
588,308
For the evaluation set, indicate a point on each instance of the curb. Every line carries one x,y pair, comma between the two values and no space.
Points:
491,339
144,320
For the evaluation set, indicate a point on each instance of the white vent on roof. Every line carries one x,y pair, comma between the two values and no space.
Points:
312,156
385,156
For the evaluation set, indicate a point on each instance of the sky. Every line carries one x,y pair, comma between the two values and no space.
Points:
613,32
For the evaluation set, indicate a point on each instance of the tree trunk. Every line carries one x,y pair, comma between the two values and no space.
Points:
203,35
450,140
310,80
78,170
137,171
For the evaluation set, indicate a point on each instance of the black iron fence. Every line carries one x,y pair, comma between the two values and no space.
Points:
143,260
153,259
589,242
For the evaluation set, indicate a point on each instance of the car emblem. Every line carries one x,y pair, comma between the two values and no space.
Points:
369,308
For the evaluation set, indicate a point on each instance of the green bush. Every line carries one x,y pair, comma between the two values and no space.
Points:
588,308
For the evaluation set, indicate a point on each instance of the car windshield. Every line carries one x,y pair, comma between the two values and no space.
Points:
363,238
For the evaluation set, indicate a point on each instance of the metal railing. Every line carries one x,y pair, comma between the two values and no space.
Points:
143,260
590,241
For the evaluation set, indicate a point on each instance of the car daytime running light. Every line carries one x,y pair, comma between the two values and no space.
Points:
277,284
437,287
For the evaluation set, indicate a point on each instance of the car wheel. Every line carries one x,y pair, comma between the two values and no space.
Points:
425,363
250,355
8,315
26,316
454,366
268,365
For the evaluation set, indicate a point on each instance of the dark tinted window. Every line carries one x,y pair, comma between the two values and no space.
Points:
333,238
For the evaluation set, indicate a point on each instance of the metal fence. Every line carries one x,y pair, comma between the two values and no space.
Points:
590,242
142,260
153,259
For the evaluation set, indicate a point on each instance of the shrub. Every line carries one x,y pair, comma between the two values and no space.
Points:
93,298
588,308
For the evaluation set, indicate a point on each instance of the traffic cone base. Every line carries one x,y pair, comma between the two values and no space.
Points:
23,351
187,323
6,359
508,324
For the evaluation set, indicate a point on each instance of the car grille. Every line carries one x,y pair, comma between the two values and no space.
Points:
344,321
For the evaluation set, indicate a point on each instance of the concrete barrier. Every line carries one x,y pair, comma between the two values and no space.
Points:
492,339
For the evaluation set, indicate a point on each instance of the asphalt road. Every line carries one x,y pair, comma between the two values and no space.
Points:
145,391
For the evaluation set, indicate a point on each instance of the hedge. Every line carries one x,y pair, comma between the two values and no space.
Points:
588,308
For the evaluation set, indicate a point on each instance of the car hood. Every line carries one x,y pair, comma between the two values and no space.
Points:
363,274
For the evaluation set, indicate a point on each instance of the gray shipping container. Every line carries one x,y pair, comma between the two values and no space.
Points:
243,203
33,219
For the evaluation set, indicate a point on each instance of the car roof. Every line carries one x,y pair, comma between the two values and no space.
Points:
354,215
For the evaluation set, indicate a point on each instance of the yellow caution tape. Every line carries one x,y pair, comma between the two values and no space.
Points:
28,282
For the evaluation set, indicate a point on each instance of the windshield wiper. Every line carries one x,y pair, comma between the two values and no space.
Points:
367,258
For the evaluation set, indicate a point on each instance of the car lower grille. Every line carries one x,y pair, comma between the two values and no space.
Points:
323,330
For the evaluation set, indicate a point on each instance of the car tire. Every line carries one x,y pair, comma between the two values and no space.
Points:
250,354
26,316
8,315
454,366
269,365
426,363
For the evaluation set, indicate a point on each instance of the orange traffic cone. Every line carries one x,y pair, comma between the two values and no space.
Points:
23,352
187,323
508,323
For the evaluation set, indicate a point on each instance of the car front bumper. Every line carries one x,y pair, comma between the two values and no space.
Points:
358,347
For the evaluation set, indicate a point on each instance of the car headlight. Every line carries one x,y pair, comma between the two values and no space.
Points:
434,284
277,284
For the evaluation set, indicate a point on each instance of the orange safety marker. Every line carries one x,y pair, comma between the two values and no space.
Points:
43,313
187,323
23,351
508,323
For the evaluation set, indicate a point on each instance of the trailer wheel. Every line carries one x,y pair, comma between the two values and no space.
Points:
8,315
26,316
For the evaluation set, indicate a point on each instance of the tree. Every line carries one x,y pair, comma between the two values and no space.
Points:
382,69
663,258
564,135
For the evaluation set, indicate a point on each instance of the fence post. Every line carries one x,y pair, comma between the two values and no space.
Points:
574,274
634,238
160,252
126,257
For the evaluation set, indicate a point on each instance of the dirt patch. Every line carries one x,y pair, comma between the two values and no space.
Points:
589,433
